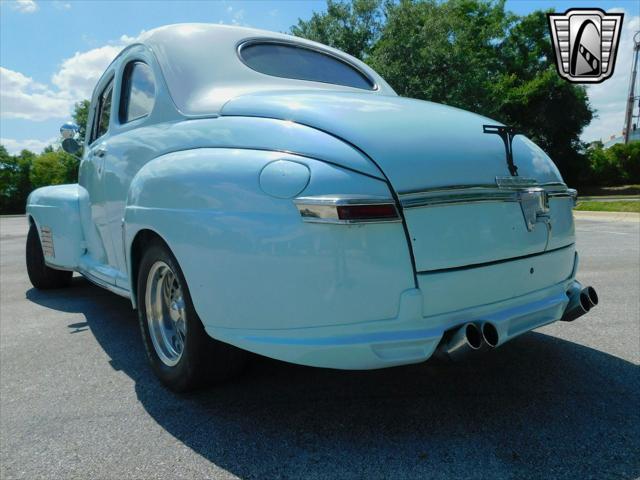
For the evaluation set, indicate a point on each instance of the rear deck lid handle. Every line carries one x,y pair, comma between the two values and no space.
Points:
506,134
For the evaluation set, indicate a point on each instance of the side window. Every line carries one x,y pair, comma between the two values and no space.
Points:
138,92
103,113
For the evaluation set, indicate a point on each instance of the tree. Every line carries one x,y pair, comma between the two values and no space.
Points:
81,117
619,164
351,27
15,183
47,169
445,52
7,183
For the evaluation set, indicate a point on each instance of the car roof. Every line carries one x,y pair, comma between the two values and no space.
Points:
202,68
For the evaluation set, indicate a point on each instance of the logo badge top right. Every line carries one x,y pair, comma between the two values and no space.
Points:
585,43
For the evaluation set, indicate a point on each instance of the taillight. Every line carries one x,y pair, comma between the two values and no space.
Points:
347,209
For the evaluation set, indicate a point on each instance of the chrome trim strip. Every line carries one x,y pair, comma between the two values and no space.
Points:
336,200
515,182
337,221
322,208
461,194
472,195
569,192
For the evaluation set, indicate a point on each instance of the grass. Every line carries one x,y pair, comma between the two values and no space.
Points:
613,206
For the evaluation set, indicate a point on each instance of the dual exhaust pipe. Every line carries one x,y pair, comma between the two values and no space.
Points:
580,302
471,338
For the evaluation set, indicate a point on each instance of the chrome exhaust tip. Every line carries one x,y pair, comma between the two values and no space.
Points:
466,340
490,334
591,295
579,304
473,336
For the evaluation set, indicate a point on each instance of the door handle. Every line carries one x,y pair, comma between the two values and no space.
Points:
99,151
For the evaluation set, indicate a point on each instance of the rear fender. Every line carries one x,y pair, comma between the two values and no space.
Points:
55,210
249,259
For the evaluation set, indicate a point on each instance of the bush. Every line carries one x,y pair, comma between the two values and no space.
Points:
617,165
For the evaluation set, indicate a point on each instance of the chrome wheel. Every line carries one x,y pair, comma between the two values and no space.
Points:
166,315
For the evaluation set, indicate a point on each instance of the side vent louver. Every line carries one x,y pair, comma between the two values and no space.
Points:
46,238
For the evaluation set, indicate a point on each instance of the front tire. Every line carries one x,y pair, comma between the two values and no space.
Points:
41,276
182,355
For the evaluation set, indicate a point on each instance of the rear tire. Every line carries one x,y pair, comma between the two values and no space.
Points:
41,276
181,353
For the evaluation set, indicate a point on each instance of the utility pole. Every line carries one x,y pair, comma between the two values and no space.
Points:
628,120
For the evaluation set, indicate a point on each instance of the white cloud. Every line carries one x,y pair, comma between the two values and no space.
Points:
61,5
126,39
22,97
16,146
78,75
610,97
24,6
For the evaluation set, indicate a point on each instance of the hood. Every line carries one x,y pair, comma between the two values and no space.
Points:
417,144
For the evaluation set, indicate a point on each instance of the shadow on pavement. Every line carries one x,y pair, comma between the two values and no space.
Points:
538,407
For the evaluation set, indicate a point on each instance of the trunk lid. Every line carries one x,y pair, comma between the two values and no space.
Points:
441,164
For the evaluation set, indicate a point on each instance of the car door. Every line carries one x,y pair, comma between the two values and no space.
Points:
128,147
91,173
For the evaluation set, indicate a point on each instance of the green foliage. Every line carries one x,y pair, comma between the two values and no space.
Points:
53,168
351,27
20,174
474,55
446,52
81,117
15,184
617,165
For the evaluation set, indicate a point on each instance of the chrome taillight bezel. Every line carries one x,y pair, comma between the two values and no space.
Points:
330,209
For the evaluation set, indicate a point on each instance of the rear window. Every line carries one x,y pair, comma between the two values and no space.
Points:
290,61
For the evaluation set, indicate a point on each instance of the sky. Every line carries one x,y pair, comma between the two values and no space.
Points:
52,52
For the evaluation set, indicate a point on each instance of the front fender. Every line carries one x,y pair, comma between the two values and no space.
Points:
55,210
249,259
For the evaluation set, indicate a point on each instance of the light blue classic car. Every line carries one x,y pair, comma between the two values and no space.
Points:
252,191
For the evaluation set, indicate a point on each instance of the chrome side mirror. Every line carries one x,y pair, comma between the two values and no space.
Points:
69,132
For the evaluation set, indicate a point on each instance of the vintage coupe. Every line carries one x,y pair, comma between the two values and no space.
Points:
252,191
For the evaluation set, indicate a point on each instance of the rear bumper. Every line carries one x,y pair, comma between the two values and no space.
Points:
408,338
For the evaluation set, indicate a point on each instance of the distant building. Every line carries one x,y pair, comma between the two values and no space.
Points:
613,139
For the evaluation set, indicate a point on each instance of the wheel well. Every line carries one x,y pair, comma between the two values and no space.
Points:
141,240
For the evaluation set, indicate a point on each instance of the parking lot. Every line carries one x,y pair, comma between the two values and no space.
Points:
78,401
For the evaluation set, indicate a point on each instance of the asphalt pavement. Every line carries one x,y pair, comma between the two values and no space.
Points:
77,399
